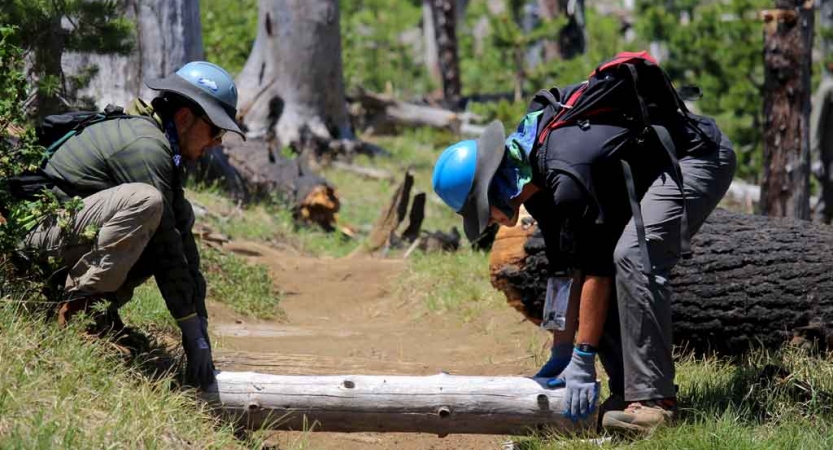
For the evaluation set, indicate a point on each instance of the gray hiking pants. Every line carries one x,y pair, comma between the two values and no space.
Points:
636,346
126,217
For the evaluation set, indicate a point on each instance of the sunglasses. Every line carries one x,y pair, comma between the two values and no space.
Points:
217,133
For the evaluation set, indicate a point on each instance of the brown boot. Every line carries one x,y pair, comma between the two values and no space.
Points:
71,308
641,417
103,321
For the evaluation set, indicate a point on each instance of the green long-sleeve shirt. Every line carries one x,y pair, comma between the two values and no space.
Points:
135,150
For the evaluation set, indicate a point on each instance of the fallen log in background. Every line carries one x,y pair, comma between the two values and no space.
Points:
441,404
253,170
377,113
753,281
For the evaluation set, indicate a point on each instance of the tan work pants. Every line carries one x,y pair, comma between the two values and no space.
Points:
126,217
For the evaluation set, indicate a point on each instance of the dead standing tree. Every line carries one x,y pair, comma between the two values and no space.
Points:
168,35
788,42
291,94
571,40
291,87
821,119
441,18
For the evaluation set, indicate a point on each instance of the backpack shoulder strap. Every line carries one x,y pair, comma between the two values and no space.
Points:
110,112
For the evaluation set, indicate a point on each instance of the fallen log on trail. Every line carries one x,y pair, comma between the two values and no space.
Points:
440,404
752,281
255,170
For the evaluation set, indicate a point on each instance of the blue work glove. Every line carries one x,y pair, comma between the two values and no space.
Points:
579,378
559,358
200,369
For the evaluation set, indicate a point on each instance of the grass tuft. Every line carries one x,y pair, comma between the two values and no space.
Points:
59,388
451,282
247,288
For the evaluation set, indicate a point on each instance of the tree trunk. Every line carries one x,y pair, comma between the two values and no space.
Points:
821,128
429,32
821,147
168,35
752,281
377,114
445,36
255,170
439,404
47,60
825,39
571,40
292,82
432,61
788,42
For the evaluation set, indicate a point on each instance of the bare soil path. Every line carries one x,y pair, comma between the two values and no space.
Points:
343,317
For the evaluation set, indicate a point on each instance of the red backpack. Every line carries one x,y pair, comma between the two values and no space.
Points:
632,91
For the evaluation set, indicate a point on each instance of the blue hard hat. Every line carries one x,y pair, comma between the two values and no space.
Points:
463,173
209,86
454,173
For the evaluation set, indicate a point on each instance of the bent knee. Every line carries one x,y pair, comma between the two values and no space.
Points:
148,201
627,257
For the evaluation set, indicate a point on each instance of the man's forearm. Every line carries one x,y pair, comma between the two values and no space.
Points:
595,295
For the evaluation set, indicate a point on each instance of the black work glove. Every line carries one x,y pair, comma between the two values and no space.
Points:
200,369
204,326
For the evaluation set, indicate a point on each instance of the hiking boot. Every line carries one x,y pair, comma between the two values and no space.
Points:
614,402
104,322
641,417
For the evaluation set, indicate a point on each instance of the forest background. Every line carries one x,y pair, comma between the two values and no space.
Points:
717,45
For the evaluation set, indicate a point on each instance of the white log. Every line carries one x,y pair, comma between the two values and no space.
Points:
438,404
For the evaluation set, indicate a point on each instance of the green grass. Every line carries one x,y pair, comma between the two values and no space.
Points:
731,405
456,283
245,287
147,310
59,389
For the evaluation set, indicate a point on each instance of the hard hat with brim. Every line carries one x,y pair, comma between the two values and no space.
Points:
490,150
219,113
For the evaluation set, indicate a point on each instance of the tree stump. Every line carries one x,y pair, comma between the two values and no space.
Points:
255,170
753,281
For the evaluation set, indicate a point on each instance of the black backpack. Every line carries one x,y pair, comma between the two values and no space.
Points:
631,91
53,132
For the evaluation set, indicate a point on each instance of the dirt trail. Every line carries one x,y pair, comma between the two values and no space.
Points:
342,316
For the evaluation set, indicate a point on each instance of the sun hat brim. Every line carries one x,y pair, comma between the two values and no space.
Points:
221,115
490,150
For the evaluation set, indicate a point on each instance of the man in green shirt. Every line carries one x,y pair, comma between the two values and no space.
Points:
128,171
